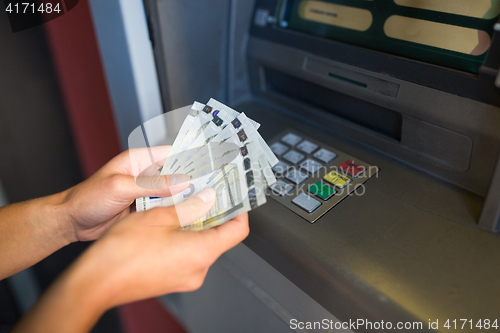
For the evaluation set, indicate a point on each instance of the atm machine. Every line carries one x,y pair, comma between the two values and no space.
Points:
408,90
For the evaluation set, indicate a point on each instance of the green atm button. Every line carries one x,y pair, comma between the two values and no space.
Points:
321,190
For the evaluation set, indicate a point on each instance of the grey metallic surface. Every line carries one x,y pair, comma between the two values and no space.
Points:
490,215
243,293
128,62
202,48
408,249
195,45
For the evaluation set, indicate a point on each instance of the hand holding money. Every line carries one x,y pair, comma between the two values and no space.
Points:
105,197
218,148
142,256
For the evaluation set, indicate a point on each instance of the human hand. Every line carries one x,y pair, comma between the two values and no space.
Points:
146,254
142,256
92,206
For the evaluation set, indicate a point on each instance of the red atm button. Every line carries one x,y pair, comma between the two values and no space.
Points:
352,168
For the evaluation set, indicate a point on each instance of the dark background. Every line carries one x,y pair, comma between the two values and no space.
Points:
37,149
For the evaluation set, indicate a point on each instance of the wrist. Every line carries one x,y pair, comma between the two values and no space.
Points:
57,206
30,231
49,222
57,209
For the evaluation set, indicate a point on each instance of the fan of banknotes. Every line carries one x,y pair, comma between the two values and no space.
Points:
219,148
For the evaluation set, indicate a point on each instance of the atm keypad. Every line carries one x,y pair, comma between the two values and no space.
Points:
311,166
321,190
325,155
337,179
281,188
280,168
291,139
306,203
293,157
307,147
314,177
297,177
279,148
351,168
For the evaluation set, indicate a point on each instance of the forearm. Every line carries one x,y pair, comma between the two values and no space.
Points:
73,304
143,256
31,231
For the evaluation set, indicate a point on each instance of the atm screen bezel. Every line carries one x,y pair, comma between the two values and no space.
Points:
480,87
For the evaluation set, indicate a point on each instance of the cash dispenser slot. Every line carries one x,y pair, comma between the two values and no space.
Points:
371,116
448,148
371,83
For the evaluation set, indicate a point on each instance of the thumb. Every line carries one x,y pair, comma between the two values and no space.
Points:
194,207
174,183
185,212
154,186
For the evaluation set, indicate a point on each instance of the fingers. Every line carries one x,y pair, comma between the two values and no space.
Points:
142,156
194,207
215,241
158,186
135,161
172,183
227,235
183,213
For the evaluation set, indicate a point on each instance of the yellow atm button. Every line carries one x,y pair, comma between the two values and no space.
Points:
337,179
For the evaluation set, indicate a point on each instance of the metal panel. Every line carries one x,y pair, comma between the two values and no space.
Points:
241,287
128,62
490,216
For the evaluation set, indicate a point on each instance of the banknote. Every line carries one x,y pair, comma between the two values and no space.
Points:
204,125
186,126
222,116
202,118
241,130
215,104
220,120
219,148
239,187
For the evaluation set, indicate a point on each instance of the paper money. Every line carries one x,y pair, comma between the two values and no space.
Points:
218,148
242,130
